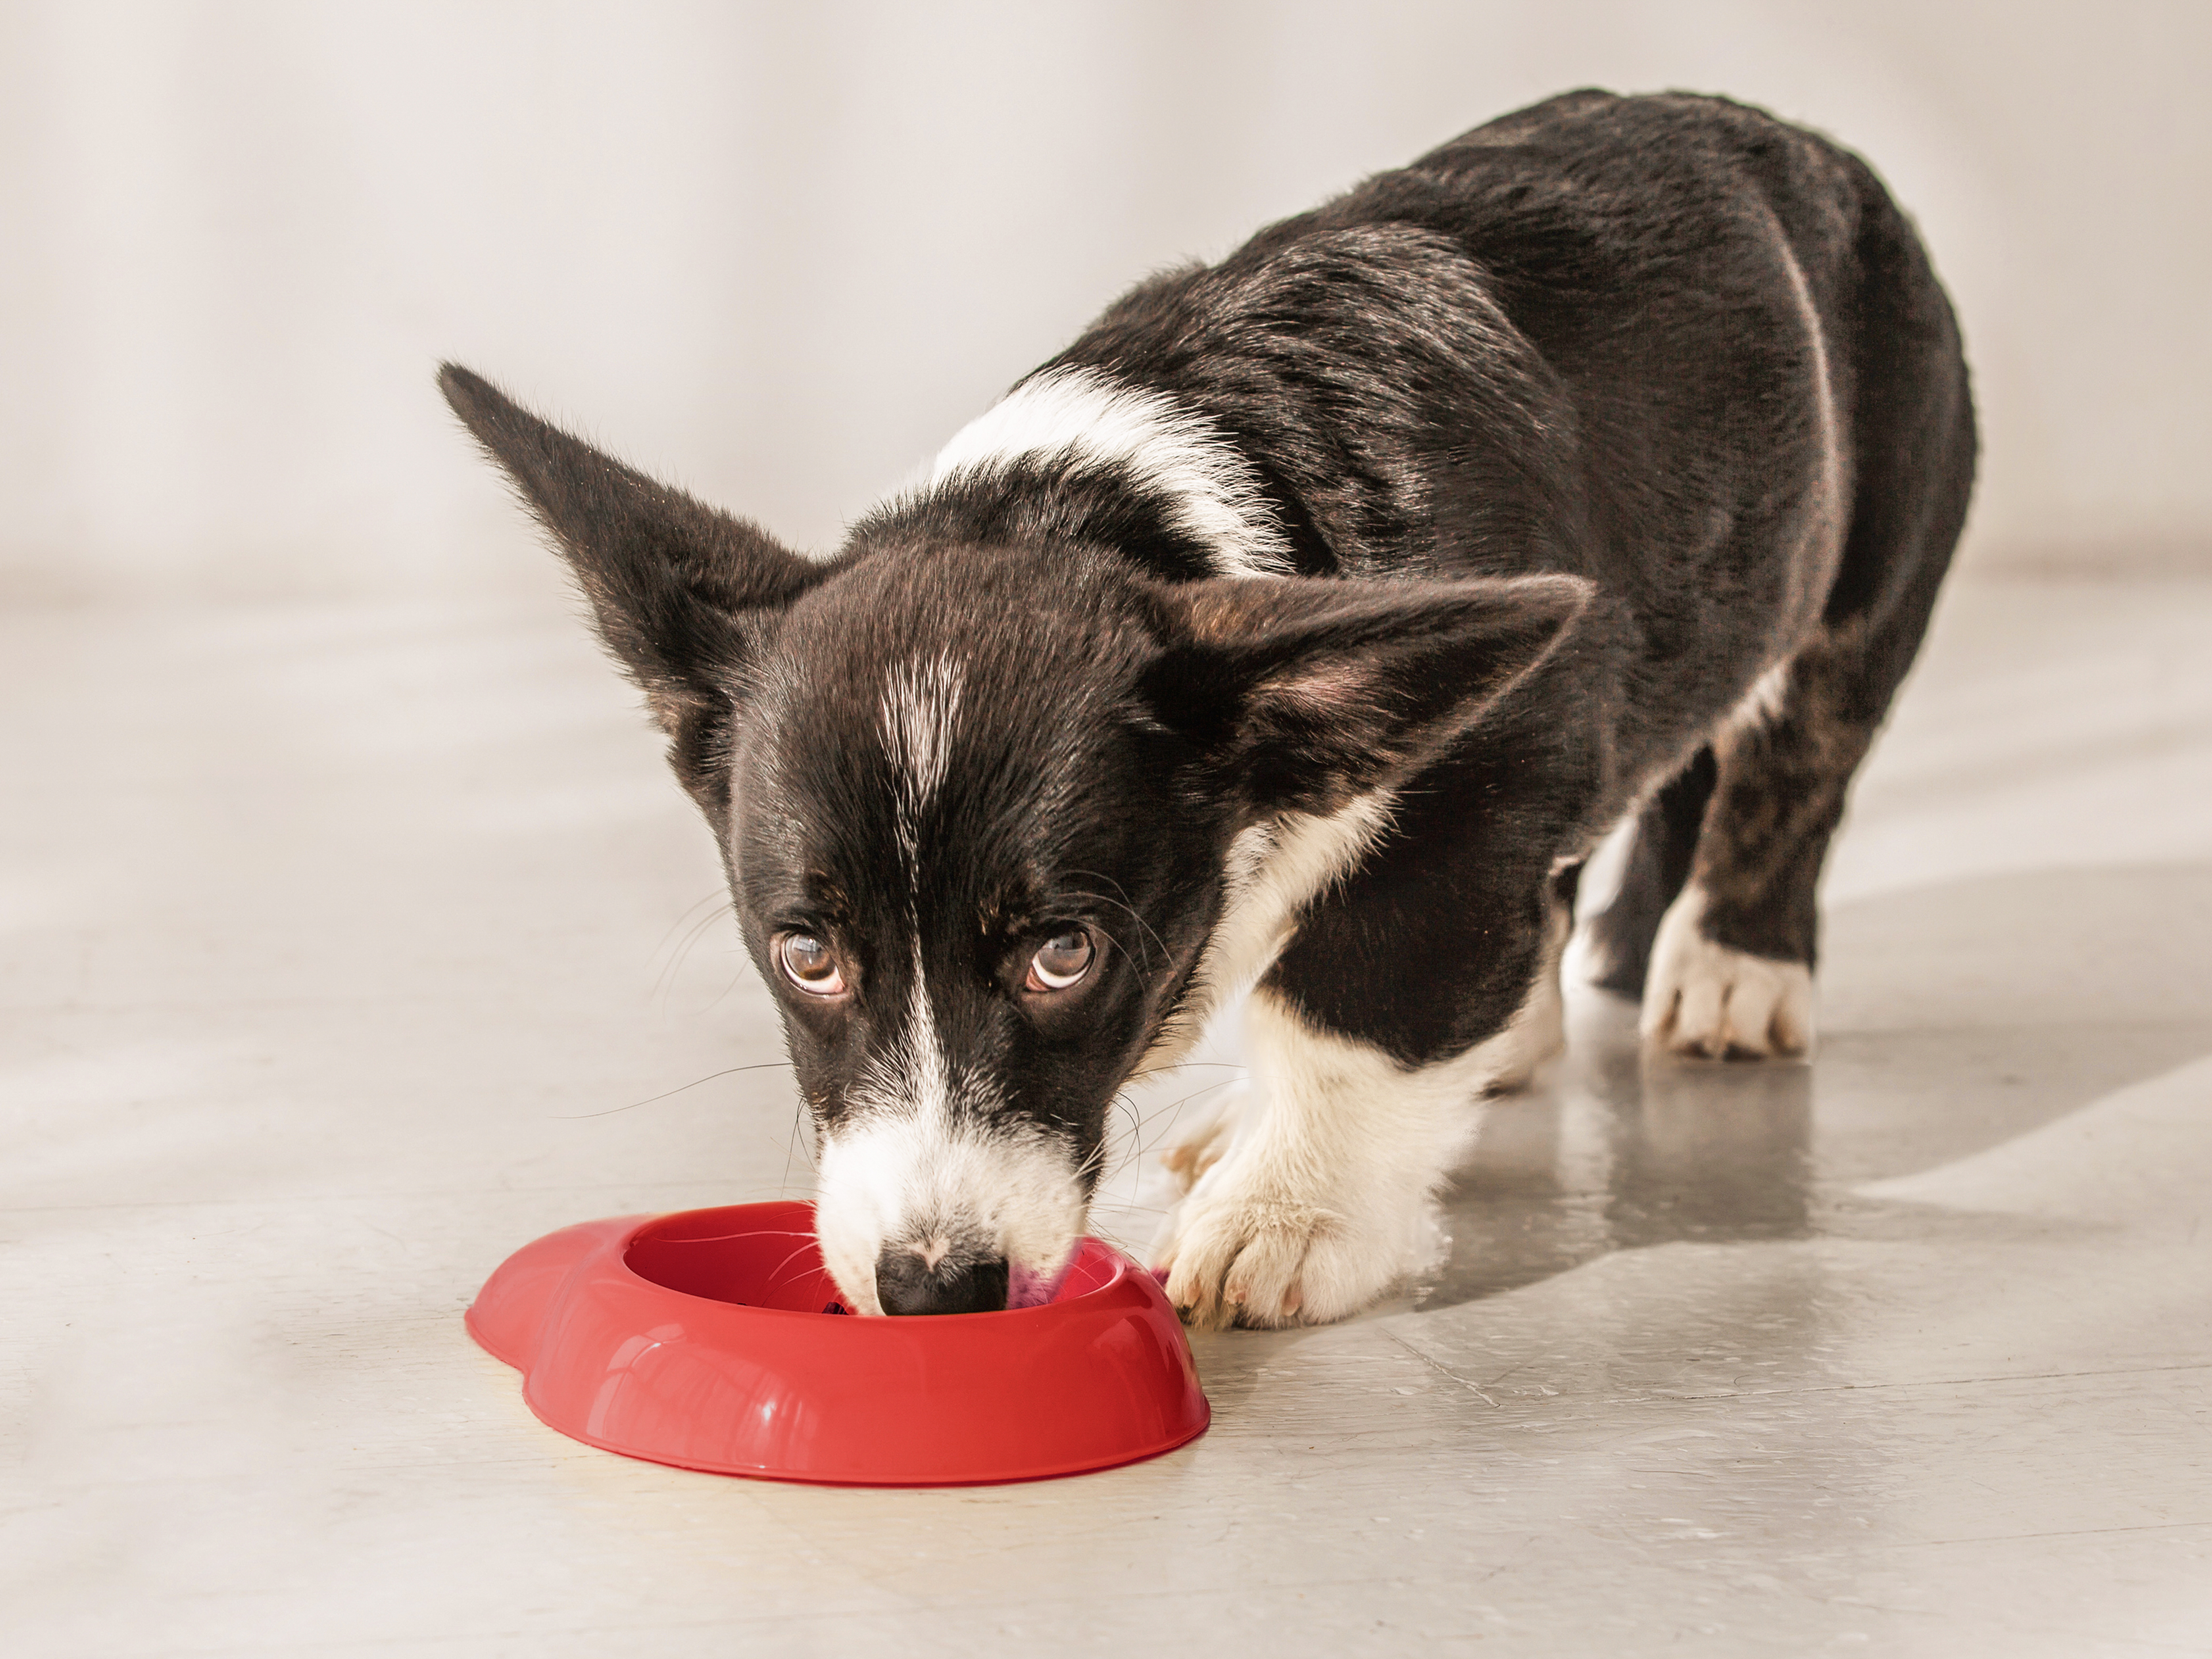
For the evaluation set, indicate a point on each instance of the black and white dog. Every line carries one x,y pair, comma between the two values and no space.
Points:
1298,632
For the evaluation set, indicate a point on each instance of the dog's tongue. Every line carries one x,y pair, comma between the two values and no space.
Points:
1028,1288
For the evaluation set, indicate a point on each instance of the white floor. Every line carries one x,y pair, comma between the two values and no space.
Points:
348,949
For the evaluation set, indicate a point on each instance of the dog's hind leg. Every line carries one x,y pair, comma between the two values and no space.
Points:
1731,967
1660,851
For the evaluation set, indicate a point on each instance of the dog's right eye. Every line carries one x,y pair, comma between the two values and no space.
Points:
810,964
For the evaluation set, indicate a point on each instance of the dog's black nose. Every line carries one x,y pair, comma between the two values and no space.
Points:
907,1284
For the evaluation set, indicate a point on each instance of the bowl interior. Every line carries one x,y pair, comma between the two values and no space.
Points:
733,1256
712,1253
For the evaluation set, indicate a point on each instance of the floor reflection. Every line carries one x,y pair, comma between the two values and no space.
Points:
1955,1020
1621,1152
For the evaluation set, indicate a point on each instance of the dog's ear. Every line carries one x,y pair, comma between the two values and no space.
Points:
684,595
1311,691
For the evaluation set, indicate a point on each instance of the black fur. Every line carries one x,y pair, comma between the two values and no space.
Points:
1563,463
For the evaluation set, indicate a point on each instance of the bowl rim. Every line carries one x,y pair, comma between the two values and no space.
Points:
1120,1262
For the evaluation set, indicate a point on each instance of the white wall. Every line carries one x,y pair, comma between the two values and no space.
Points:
779,251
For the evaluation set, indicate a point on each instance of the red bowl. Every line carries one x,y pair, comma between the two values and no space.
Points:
714,1339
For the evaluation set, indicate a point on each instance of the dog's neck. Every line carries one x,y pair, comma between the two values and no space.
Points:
1093,455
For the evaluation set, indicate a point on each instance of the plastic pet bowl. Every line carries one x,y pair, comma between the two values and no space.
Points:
714,1339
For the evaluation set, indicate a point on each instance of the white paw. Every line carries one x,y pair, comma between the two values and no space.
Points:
1311,1197
1242,1255
1700,998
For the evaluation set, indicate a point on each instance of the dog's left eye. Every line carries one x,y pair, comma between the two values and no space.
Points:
1065,958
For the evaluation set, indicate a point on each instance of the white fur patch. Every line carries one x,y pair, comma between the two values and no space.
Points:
915,715
1702,998
994,1191
1319,1200
1763,702
921,1160
1274,871
1172,451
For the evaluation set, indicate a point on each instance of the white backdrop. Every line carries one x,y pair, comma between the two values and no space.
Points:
779,251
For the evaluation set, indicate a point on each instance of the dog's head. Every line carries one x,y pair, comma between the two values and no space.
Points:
982,809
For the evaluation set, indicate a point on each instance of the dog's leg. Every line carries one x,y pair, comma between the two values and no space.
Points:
1538,1030
1314,1203
1316,1206
1731,969
1537,1033
1665,842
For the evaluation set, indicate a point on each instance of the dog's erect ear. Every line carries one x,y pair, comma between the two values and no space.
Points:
684,594
1312,691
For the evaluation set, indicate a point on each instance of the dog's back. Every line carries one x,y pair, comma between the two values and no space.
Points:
1668,342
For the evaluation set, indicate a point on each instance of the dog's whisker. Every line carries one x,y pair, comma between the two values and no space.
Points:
1101,926
1139,1146
1122,902
1110,939
725,1238
1138,1119
763,1065
1177,1106
1185,1065
775,1273
685,918
798,1120
665,982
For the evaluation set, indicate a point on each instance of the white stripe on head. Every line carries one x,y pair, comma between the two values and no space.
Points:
1168,450
919,703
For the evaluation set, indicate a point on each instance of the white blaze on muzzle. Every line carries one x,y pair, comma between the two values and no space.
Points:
899,1179
922,1159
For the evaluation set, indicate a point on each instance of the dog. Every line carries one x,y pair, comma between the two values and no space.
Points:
1295,635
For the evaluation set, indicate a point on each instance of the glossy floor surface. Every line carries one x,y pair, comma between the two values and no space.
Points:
348,949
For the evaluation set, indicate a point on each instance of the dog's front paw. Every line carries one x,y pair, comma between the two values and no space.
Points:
1263,1260
1702,998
